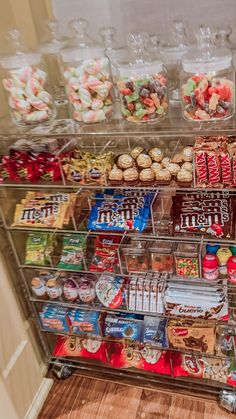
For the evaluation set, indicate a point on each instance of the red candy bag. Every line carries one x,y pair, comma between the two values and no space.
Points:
85,348
130,355
105,257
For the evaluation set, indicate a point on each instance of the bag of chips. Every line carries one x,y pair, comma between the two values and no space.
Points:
39,248
73,252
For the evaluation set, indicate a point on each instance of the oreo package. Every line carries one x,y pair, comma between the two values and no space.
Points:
123,327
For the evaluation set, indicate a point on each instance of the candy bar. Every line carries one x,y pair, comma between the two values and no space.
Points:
213,163
226,170
201,167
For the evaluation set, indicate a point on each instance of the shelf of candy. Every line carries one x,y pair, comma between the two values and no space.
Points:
149,355
175,337
215,161
151,167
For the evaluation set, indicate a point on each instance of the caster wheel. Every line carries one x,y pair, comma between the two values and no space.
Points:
228,400
62,371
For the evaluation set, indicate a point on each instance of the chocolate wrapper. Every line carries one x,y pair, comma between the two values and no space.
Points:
213,162
226,169
201,167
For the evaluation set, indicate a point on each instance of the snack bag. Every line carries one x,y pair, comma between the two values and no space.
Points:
36,249
85,348
105,257
72,252
140,357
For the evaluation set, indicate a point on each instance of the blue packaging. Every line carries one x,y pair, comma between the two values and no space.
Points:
123,328
155,331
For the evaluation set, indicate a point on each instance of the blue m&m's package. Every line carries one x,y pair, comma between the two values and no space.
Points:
120,211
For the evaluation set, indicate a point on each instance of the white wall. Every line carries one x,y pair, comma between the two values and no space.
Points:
153,16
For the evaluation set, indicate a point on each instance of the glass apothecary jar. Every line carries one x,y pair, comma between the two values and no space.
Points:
172,50
25,80
187,260
207,81
50,50
161,256
87,76
142,83
113,50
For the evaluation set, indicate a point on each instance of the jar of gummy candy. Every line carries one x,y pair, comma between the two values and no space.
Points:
142,83
26,82
207,81
86,71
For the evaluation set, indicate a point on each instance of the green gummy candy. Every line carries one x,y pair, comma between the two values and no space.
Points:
160,110
132,98
125,112
190,86
138,106
140,113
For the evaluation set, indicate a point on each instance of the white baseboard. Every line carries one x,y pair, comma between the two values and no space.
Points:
39,399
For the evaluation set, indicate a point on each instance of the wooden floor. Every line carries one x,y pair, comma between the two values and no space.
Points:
84,398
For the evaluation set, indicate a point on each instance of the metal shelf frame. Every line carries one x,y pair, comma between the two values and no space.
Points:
172,131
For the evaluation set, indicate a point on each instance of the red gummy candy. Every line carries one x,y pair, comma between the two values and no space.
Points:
131,106
212,90
199,96
197,79
126,92
148,102
225,92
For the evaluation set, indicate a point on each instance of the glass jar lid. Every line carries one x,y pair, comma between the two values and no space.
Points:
206,57
221,37
177,45
54,41
81,46
138,62
19,56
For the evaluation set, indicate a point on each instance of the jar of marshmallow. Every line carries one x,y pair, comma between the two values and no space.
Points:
25,80
86,71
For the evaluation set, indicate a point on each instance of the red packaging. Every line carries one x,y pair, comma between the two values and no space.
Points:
234,169
187,365
231,268
141,357
213,164
86,348
226,169
201,166
210,267
105,257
